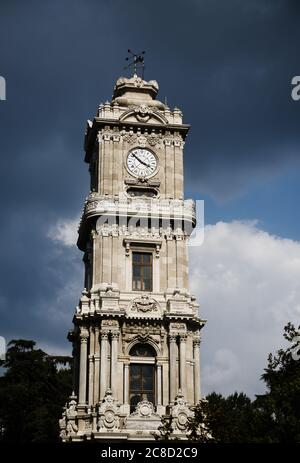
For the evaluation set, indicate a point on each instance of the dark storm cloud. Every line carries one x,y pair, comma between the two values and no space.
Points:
227,65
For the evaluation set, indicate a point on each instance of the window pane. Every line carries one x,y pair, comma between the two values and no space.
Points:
147,286
136,256
137,272
147,377
147,383
149,396
147,258
141,384
137,285
142,271
147,272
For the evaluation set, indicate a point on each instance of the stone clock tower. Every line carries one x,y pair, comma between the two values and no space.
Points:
136,336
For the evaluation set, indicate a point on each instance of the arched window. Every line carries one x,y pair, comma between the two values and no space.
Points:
142,350
142,375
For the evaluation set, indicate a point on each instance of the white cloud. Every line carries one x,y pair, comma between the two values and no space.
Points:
65,232
248,285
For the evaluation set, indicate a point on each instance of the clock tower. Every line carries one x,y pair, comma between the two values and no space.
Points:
136,336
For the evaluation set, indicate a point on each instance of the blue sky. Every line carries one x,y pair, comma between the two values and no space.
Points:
228,66
273,203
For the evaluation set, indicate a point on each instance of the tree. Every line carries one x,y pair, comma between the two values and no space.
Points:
33,390
223,419
279,408
272,417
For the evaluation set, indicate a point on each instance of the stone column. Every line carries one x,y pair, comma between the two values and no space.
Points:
114,363
197,384
91,368
182,362
93,258
103,361
97,366
173,366
158,385
75,355
84,334
126,383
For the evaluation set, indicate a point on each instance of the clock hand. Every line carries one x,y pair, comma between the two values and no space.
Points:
140,160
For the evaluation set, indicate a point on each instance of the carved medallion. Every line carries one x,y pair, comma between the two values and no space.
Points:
144,304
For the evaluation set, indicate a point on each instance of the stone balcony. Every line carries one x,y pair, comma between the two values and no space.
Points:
147,208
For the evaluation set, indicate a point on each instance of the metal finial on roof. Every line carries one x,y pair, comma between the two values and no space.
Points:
136,62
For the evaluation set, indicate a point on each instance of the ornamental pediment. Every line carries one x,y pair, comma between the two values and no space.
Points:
144,114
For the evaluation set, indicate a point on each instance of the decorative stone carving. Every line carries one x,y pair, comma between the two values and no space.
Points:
180,413
68,422
178,326
144,417
144,304
197,341
108,410
154,140
110,324
104,334
141,139
144,409
143,113
136,81
130,137
84,335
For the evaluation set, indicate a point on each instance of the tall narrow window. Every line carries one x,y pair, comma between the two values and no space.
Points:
142,271
141,375
141,386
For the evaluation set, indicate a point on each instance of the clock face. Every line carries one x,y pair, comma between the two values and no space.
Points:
141,162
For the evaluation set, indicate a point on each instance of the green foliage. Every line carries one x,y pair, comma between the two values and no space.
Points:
271,418
280,406
33,391
226,420
165,430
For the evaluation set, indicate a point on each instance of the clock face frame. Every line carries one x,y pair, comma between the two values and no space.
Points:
141,162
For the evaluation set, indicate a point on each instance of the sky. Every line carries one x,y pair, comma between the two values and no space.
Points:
228,66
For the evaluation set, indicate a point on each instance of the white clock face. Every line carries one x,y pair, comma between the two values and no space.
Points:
141,162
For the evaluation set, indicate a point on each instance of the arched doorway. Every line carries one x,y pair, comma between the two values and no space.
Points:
141,374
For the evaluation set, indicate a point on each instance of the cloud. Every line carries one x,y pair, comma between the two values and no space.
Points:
65,232
248,285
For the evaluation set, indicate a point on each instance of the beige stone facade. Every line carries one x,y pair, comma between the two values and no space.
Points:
136,336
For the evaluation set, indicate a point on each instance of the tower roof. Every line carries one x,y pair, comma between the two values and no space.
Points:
133,85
